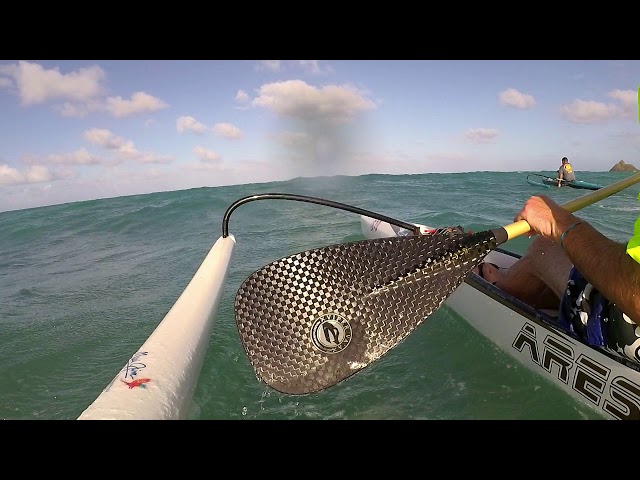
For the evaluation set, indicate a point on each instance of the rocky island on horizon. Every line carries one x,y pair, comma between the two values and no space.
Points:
621,166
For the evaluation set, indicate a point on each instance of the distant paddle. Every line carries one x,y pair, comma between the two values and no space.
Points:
545,177
313,319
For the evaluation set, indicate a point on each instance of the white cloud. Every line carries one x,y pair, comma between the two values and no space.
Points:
227,130
241,96
207,155
33,174
106,139
140,102
77,157
80,156
38,173
481,135
591,111
270,65
582,111
81,91
296,99
69,109
10,175
187,123
513,98
312,67
36,84
628,100
124,148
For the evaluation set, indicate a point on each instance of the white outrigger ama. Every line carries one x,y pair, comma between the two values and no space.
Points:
158,382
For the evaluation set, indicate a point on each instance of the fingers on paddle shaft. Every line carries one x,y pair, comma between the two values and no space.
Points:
312,319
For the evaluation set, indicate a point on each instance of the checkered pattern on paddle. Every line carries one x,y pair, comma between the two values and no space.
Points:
312,319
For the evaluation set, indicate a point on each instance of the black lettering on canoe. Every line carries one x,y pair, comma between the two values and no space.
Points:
627,393
527,336
590,379
560,354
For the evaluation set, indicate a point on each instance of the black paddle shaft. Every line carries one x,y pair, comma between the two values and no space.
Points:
312,319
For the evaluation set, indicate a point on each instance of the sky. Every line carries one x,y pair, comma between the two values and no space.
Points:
81,130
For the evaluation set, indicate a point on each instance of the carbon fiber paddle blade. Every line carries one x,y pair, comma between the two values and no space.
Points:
310,320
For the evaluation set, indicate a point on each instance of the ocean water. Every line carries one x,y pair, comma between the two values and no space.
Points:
82,286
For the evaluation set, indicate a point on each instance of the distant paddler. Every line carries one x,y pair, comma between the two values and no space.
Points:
565,172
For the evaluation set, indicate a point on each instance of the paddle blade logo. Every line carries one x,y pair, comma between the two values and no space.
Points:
331,333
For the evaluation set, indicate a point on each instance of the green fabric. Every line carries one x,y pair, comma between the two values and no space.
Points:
633,247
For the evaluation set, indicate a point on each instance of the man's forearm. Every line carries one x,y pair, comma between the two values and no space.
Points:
607,266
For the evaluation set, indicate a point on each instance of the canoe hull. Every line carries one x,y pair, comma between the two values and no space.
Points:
528,335
548,182
579,184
